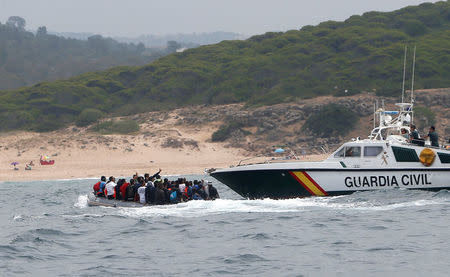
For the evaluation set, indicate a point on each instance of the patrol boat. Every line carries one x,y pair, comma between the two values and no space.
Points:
385,160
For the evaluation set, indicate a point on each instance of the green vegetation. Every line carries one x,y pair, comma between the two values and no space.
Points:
116,127
88,116
331,121
226,130
363,53
27,58
424,117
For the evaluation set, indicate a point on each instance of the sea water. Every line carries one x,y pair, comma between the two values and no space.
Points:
47,229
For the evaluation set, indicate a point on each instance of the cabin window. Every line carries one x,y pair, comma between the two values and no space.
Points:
349,151
445,158
405,154
340,153
372,151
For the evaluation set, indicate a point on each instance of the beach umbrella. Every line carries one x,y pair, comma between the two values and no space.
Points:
279,150
14,163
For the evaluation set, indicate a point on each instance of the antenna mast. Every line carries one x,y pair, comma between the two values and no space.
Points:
413,71
404,75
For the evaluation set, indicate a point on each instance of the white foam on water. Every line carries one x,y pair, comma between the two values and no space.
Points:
224,206
18,217
82,201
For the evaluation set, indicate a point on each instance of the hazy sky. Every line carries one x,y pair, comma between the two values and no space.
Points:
135,17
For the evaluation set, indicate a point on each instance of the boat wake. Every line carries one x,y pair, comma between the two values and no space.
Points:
82,201
357,202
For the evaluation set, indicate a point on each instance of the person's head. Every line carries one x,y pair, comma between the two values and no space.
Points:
432,129
413,127
103,179
132,181
112,179
146,176
209,183
403,130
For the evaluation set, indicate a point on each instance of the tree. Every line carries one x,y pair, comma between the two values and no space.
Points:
16,22
140,48
172,46
41,31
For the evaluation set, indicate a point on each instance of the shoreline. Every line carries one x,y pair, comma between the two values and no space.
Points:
86,156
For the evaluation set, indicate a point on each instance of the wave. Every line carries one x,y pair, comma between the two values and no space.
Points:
223,206
82,201
359,202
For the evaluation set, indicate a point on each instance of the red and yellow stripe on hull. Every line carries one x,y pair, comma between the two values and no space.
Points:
308,183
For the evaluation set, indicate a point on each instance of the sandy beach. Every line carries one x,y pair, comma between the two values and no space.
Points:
85,155
82,154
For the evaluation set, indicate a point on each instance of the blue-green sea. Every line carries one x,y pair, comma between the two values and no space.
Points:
47,229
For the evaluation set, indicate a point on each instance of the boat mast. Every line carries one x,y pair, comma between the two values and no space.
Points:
374,115
404,75
412,84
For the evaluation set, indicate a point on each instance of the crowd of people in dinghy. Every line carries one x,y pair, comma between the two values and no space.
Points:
152,190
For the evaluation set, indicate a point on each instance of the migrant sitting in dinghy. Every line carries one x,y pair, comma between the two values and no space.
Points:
150,190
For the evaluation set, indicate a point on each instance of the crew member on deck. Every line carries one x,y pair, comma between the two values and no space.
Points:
413,135
404,133
434,138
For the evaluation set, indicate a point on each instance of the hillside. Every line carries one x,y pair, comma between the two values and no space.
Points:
27,58
362,54
180,140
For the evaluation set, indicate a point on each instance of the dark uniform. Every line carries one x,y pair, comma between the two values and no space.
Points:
434,138
414,134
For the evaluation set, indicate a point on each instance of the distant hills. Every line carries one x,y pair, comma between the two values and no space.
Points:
27,58
160,41
186,40
363,53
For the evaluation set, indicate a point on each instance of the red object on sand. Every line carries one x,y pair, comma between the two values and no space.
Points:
49,162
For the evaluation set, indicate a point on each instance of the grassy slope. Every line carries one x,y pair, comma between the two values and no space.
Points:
363,53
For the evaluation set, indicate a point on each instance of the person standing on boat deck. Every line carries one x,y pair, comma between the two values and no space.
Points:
404,133
414,135
434,138
110,186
